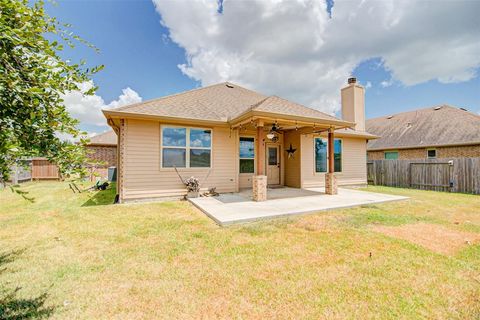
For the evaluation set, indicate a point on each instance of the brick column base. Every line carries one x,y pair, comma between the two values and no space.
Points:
259,188
331,183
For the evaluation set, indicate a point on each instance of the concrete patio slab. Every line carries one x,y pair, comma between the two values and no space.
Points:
239,207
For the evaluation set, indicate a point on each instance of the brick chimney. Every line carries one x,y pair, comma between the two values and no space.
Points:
353,104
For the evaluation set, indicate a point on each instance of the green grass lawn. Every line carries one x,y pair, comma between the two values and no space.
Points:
76,256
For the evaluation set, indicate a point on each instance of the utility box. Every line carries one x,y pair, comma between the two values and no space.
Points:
112,174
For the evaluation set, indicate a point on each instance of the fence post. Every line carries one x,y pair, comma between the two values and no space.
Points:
15,174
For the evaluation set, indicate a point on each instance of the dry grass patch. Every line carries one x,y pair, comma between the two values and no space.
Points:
83,260
318,222
435,237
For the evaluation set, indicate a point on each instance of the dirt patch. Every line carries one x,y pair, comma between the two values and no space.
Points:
435,237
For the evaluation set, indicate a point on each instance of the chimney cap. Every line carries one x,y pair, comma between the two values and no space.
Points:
352,80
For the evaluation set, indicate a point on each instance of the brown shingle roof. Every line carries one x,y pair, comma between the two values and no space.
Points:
279,105
219,102
434,126
106,138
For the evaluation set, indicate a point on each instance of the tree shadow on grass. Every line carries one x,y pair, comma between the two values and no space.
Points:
101,197
24,194
7,257
14,307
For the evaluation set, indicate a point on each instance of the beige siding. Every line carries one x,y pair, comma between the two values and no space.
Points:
245,180
353,163
144,178
292,165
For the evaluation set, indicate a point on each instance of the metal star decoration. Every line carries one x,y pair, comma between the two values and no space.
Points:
290,152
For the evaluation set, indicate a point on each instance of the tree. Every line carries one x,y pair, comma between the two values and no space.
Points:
33,78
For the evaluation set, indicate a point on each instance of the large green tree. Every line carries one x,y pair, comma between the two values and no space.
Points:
33,78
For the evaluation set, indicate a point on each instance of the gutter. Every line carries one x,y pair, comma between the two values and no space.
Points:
141,116
110,114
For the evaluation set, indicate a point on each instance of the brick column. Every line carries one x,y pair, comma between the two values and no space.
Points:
330,178
259,181
259,188
331,183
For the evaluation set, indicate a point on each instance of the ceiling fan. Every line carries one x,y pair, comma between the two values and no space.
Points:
273,134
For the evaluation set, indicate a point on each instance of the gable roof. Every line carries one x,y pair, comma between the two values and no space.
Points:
279,105
221,102
108,138
435,126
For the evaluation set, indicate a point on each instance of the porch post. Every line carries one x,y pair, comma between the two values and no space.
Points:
259,182
330,178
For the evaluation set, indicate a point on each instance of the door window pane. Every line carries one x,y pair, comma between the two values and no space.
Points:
272,156
172,157
174,137
247,148
200,138
320,155
247,166
199,158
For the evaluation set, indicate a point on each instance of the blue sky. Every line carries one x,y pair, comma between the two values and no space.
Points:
139,54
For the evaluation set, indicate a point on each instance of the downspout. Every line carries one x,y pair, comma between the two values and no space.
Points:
116,129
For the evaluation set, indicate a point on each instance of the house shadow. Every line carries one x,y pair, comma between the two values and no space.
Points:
101,197
13,304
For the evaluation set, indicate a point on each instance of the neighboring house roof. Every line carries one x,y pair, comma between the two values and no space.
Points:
108,138
221,102
435,126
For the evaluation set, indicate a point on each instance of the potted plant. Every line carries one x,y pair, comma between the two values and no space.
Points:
193,187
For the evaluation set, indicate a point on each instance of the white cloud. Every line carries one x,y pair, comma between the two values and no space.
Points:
368,85
293,49
386,83
88,109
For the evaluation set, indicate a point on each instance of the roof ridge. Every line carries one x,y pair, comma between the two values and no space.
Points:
256,105
444,105
300,104
185,92
167,96
102,133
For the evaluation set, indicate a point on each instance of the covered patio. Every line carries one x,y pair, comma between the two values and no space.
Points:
270,133
240,207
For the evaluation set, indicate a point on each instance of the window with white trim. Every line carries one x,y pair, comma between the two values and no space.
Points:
184,147
321,155
247,155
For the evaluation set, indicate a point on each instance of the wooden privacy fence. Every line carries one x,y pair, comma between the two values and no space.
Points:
454,175
44,169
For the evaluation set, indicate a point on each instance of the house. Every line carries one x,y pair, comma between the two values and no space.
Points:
232,138
435,132
102,150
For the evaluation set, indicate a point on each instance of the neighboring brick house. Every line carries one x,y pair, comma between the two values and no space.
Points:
103,150
436,132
